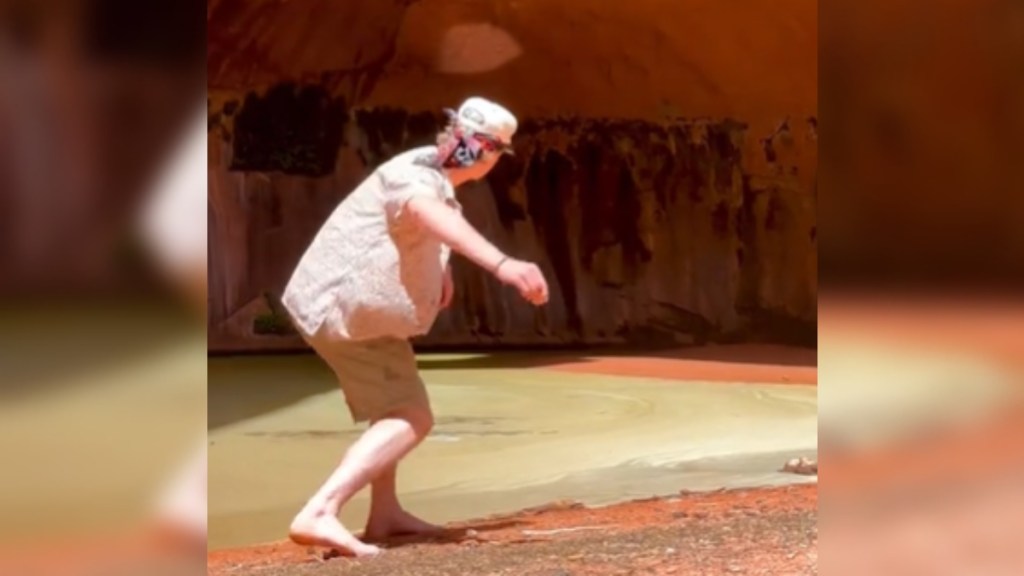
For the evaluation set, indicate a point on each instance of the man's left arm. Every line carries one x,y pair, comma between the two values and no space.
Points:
447,287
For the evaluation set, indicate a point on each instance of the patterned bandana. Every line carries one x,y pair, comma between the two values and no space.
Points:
466,145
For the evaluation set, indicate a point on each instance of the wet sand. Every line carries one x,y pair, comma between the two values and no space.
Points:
512,432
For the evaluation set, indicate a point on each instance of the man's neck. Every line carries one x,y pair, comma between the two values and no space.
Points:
456,176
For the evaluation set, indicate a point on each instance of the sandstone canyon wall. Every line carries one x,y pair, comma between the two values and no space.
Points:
664,176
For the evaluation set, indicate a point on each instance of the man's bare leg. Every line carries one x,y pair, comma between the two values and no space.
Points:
379,448
387,517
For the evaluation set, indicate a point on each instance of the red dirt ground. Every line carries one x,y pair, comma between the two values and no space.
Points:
766,531
732,363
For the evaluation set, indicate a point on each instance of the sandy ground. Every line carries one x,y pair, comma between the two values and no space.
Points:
948,501
754,531
502,440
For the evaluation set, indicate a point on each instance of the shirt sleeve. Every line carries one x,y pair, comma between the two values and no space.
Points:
400,189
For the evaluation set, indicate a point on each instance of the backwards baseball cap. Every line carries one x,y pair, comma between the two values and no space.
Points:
488,119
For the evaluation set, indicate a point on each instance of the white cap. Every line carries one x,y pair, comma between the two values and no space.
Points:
486,117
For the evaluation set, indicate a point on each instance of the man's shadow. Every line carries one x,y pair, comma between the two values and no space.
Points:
474,532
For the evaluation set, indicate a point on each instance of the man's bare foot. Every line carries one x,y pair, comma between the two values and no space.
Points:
400,523
326,531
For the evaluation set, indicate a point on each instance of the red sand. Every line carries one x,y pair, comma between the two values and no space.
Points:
736,363
655,534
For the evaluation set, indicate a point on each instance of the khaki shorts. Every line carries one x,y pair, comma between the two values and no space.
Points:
377,376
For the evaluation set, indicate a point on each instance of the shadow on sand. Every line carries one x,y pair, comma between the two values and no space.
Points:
244,387
762,354
475,531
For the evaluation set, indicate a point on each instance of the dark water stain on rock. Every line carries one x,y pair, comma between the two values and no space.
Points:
720,219
547,182
389,131
615,206
747,234
776,212
501,179
291,129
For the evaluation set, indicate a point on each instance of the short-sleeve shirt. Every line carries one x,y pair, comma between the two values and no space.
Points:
369,272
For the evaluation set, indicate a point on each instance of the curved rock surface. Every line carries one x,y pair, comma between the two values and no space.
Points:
664,177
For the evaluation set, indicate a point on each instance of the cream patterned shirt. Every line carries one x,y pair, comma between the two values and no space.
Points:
368,272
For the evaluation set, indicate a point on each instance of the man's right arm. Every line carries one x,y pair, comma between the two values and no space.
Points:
450,226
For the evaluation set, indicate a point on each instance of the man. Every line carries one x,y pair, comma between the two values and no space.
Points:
375,275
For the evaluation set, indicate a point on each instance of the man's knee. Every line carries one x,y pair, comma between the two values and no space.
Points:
420,418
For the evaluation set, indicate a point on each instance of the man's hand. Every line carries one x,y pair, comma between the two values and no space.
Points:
526,277
447,288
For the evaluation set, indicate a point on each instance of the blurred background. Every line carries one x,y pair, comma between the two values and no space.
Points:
921,319
102,287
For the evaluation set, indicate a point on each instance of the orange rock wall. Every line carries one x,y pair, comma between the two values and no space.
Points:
665,175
